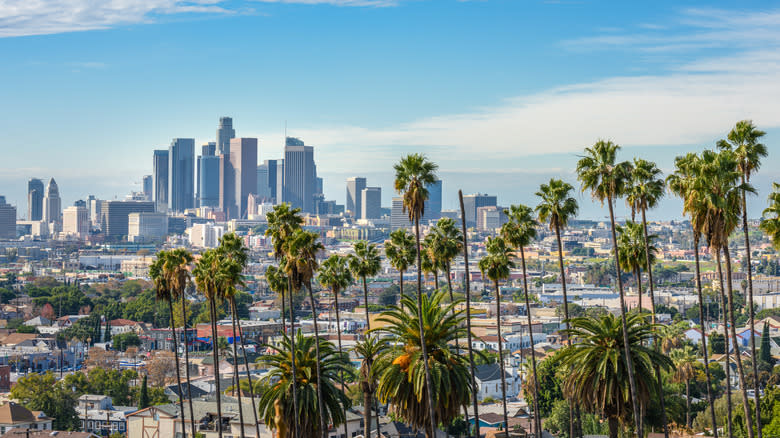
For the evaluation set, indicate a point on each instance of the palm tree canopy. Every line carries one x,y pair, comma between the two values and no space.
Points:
157,274
770,223
280,384
498,262
412,176
557,205
370,348
366,261
300,251
599,173
631,247
744,141
448,240
597,376
334,273
520,229
684,361
276,278
400,367
401,249
282,223
646,185
432,261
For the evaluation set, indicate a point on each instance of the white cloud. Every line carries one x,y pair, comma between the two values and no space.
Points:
41,17
360,3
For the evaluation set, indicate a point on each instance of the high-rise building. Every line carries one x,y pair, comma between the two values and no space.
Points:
300,175
160,180
243,161
52,204
355,186
114,216
147,183
7,220
147,227
398,217
208,181
433,203
279,196
75,221
206,150
35,194
472,202
209,149
205,235
181,165
225,133
266,181
490,218
371,203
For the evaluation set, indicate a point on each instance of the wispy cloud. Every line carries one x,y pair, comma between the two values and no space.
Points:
360,3
41,17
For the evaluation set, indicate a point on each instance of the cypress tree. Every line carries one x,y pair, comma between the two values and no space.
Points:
143,399
107,335
764,354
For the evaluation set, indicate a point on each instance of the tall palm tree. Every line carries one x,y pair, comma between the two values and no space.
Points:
412,175
277,282
467,285
334,274
684,361
598,370
770,222
448,243
744,140
519,232
369,349
276,405
599,172
556,207
283,221
161,271
401,252
721,183
366,262
401,368
682,184
430,261
301,252
631,248
496,266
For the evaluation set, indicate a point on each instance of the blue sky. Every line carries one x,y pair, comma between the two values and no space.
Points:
501,93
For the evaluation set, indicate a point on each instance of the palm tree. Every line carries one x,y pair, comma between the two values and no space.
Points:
631,248
597,366
401,368
369,349
301,252
430,261
682,184
467,273
519,232
366,262
412,175
744,140
334,274
275,404
401,252
770,223
277,282
496,266
161,271
684,361
448,244
606,179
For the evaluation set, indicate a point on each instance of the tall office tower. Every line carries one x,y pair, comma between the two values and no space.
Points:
319,183
209,149
398,217
225,133
371,203
243,160
300,175
181,165
208,181
80,203
7,220
472,202
279,196
264,181
147,182
75,221
433,204
206,150
160,180
52,204
355,186
34,199
114,216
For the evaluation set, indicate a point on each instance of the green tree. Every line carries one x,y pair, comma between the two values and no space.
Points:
684,361
369,349
143,399
631,251
124,340
42,392
764,353
401,252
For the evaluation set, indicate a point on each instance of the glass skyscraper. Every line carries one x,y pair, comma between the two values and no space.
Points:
181,165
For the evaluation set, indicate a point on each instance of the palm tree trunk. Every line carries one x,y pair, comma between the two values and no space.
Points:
341,373
688,403
655,338
365,300
704,336
292,359
368,327
423,347
457,341
572,415
248,374
537,419
436,279
751,311
737,355
215,357
501,355
726,338
614,427
233,318
629,359
367,411
468,314
178,371
401,282
638,277
320,403
187,362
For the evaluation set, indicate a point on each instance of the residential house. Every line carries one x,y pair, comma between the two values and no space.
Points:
488,377
16,416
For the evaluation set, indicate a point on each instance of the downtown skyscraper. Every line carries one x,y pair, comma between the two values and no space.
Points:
52,204
160,180
238,177
355,186
300,175
208,176
225,133
35,192
181,165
